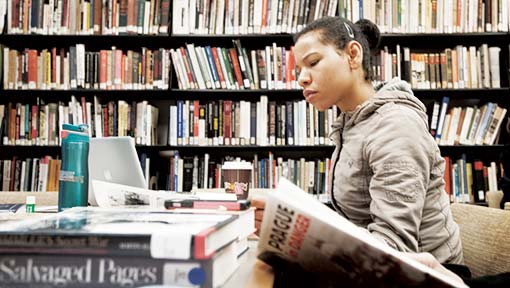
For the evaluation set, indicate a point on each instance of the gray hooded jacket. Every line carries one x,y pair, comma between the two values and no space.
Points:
388,175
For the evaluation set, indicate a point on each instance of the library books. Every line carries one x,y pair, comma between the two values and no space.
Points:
302,230
43,270
108,17
122,232
460,67
75,67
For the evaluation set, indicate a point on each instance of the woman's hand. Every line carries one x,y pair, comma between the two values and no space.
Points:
428,260
259,203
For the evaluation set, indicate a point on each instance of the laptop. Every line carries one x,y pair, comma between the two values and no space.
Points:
114,159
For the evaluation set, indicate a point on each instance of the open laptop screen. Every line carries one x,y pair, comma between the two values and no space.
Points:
114,159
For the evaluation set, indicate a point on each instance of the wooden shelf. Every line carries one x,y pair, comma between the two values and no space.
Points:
500,95
419,40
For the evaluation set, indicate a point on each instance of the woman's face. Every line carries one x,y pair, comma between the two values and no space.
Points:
324,71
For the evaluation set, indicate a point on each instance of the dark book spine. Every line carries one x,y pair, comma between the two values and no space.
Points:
74,244
290,122
253,123
24,270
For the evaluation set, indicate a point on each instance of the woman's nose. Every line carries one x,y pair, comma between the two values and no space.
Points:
303,78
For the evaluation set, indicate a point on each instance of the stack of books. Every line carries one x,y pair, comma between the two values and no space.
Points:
95,247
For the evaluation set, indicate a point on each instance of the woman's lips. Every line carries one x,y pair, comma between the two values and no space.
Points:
309,94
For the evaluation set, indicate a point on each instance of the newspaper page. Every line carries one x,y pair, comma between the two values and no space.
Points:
112,195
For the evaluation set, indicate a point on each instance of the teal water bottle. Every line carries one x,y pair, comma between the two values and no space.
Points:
74,180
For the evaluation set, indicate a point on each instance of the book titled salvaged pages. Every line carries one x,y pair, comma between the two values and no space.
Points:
301,230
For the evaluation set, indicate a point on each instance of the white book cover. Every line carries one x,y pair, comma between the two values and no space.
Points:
196,66
172,126
180,14
486,79
498,127
443,140
220,16
474,126
493,126
454,122
494,66
466,123
300,229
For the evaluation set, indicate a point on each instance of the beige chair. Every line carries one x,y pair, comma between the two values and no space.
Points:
485,234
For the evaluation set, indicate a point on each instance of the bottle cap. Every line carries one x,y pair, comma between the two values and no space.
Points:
30,200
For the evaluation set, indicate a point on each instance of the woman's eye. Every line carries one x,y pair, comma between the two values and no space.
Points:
313,63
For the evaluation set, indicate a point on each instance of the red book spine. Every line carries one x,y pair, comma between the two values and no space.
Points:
447,177
237,68
105,122
32,69
103,54
227,121
35,109
187,67
196,118
62,66
218,67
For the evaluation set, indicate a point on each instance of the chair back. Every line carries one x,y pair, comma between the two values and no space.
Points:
485,235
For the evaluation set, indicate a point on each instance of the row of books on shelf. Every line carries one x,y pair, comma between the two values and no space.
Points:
469,125
40,124
31,174
247,16
219,17
186,173
89,247
189,122
279,16
452,68
235,68
225,122
436,16
467,182
262,123
74,68
109,17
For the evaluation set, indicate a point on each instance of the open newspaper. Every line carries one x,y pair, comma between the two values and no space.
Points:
300,229
110,195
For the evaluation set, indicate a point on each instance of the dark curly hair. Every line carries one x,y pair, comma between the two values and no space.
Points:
339,31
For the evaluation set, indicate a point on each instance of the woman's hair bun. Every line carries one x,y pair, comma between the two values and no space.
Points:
371,32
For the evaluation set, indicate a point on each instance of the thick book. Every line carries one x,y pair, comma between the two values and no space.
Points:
301,230
39,270
124,232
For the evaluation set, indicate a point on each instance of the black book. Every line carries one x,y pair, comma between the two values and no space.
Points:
187,177
290,122
478,187
253,123
89,231
63,270
17,175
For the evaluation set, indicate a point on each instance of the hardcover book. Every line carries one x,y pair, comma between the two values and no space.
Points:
39,270
300,230
125,232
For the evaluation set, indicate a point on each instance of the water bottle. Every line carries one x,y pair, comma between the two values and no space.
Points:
74,180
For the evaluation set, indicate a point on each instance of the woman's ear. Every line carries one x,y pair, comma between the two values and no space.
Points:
355,53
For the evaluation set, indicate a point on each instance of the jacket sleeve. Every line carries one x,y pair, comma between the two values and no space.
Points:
399,159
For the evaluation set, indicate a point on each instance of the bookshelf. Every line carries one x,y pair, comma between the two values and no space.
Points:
162,98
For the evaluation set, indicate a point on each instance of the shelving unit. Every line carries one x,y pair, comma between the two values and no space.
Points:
161,98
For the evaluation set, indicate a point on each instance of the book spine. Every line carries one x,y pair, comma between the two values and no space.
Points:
94,271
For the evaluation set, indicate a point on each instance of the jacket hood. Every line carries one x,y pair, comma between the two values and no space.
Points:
396,91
